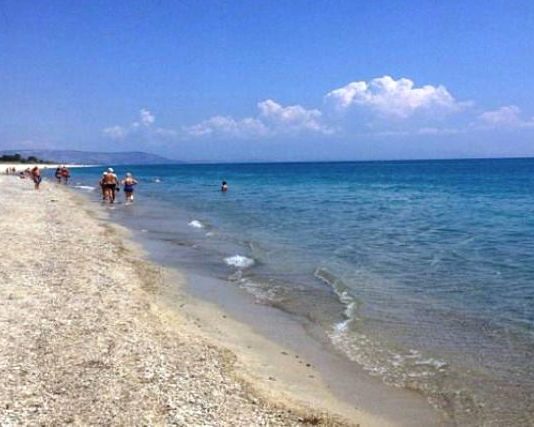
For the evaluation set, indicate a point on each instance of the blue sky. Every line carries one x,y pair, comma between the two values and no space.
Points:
269,80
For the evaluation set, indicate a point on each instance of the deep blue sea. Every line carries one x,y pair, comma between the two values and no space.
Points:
421,272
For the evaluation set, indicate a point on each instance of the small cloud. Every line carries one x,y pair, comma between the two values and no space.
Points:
165,132
392,98
437,131
508,116
143,126
115,132
431,131
147,118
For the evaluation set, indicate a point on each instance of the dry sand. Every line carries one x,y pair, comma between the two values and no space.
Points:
86,339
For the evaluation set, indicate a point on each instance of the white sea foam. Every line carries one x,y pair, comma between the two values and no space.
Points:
343,294
196,224
436,363
239,261
85,187
262,293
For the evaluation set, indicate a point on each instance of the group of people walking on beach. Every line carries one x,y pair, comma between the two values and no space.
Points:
109,184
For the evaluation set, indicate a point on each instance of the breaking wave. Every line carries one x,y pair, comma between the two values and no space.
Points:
406,368
196,224
239,261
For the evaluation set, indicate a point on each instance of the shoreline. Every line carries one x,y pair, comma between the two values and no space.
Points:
267,368
328,376
83,316
287,358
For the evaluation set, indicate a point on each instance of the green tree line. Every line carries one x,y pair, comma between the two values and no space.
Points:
17,158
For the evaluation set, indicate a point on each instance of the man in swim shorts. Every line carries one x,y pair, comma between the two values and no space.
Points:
109,185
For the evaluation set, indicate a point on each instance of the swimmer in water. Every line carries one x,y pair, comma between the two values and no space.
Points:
224,187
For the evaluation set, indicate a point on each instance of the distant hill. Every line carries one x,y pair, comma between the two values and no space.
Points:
94,158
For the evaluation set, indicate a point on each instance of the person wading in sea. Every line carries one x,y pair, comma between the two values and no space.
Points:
109,185
129,182
102,188
65,174
57,174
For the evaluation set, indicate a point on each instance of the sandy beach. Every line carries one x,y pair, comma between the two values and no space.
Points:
243,213
88,338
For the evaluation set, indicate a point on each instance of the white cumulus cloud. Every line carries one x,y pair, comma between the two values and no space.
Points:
384,107
228,126
394,98
293,118
272,119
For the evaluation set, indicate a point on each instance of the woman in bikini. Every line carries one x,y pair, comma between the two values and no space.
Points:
129,182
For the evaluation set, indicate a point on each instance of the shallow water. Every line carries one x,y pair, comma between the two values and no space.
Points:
421,272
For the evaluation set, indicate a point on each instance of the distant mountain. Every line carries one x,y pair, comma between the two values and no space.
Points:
94,158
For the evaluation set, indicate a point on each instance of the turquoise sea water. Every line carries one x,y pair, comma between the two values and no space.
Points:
421,272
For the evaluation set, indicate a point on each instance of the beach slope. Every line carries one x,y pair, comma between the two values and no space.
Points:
82,341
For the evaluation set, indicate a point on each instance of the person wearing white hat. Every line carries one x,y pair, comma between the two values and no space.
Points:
109,185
